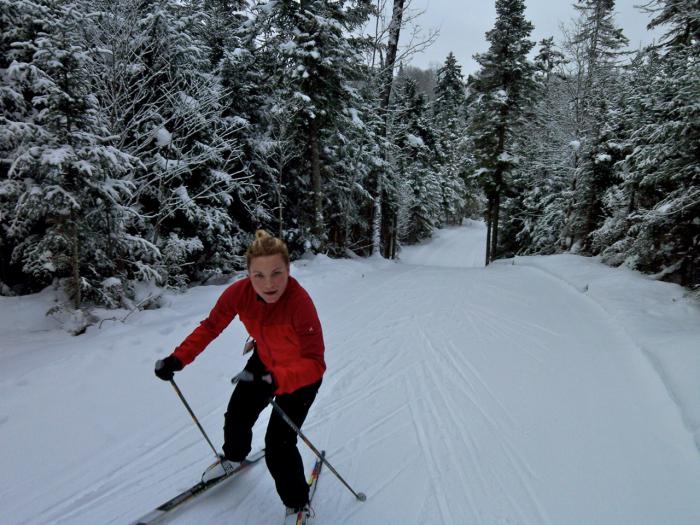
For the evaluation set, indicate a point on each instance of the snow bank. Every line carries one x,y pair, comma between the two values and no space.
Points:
659,317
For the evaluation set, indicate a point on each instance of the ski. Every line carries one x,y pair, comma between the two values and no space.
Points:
196,490
302,518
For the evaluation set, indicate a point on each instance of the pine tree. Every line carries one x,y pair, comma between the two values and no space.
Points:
544,171
449,111
20,23
155,84
663,185
353,153
219,22
66,183
621,200
601,42
500,96
312,59
415,159
679,18
450,95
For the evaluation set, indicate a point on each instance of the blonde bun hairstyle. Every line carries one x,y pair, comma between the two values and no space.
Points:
265,244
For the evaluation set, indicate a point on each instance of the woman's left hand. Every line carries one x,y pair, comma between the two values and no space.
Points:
265,378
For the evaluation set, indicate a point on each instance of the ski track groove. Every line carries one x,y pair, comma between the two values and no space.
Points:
446,350
432,463
141,479
455,367
518,465
84,499
458,364
460,430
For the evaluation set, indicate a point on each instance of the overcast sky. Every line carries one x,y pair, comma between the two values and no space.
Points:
463,24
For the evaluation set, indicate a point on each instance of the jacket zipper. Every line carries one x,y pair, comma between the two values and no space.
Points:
262,336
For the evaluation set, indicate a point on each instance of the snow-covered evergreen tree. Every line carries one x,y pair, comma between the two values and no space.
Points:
352,154
601,43
545,150
166,106
66,184
312,60
500,97
612,237
661,188
420,201
384,218
449,110
20,23
219,26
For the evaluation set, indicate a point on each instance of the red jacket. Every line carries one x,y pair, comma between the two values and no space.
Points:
287,333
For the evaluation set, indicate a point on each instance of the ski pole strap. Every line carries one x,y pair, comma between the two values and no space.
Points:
359,495
194,418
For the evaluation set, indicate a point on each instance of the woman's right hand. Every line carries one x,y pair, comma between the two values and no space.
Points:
165,368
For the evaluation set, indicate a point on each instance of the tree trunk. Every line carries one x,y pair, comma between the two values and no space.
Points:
394,236
280,209
75,261
488,230
391,50
496,210
377,219
386,80
316,178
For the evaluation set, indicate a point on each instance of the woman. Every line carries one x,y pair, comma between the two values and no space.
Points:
287,362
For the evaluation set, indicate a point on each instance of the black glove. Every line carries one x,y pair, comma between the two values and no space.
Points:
166,368
263,379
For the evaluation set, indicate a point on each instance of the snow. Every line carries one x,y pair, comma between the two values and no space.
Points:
507,157
85,167
415,141
664,208
111,281
163,137
537,390
501,96
355,116
656,316
302,96
240,52
57,156
181,192
288,46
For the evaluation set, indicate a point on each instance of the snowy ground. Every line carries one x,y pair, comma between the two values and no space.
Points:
544,390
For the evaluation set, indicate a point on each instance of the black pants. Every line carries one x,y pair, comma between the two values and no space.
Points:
281,453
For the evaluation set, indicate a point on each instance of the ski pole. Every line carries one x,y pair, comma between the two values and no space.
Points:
194,418
359,495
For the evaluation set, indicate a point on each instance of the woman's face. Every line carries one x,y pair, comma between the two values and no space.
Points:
269,275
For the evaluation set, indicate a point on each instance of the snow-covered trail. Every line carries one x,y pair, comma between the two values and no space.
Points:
500,395
454,394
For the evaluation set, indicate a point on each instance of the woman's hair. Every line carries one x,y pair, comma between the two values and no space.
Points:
265,244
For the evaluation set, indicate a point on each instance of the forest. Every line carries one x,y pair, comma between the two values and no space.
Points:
144,141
